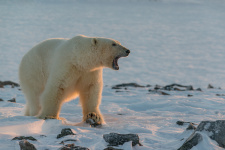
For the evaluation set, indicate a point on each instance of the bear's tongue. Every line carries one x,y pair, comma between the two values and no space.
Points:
115,63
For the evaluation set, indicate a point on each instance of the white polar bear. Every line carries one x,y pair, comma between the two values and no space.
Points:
58,70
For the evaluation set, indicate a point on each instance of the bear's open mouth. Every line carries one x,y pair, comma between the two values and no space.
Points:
115,63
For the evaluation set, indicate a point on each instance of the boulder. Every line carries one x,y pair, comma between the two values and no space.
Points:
24,138
65,132
13,100
112,148
193,140
115,139
72,147
3,83
210,86
215,130
25,145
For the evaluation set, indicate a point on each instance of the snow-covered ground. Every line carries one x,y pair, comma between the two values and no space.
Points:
171,41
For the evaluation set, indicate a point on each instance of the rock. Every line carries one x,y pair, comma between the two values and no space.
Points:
120,91
191,127
3,83
189,95
215,129
1,100
65,132
158,92
12,100
163,93
120,114
174,87
193,140
63,142
220,94
115,139
72,147
210,86
24,138
111,148
127,85
198,89
184,122
148,85
157,87
25,145
116,88
180,123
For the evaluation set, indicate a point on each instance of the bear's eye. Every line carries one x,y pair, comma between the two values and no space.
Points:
113,44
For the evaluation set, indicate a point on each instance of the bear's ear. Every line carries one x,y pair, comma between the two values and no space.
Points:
94,41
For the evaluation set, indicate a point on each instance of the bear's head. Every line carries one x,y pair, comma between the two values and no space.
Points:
108,52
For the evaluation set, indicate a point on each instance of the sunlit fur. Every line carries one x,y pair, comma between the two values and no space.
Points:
58,70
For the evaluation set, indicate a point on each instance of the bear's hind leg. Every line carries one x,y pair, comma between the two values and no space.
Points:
32,104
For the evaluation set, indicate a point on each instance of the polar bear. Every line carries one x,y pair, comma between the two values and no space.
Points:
58,70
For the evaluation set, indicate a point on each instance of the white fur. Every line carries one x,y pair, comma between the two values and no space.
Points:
58,70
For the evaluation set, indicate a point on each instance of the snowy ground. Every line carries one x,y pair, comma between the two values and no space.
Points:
170,42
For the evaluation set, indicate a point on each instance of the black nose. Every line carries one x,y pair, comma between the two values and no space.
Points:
128,51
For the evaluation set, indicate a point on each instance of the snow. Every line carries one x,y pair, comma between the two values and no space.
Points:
170,42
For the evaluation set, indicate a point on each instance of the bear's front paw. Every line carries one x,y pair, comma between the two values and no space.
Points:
93,119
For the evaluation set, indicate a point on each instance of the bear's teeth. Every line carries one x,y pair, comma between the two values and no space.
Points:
115,63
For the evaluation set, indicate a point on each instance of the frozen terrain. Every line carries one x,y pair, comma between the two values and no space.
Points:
171,41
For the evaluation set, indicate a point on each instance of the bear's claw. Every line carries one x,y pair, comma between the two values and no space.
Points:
93,119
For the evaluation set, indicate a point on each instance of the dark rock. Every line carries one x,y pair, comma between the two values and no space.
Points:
1,100
191,127
65,132
177,89
216,130
157,87
116,88
9,83
12,100
174,87
210,86
68,140
198,89
148,85
117,91
163,93
193,140
127,85
25,145
115,139
72,147
180,123
183,122
220,94
189,95
120,114
24,138
111,148
158,92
